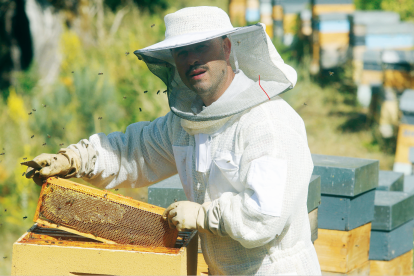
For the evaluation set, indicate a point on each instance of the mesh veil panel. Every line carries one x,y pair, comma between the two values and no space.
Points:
251,49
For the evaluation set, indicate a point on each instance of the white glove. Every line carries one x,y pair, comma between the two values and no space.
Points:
186,215
64,164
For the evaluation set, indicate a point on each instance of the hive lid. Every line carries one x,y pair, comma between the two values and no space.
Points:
407,101
391,181
375,17
102,215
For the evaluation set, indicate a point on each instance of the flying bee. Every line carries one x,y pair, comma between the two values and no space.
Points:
145,91
55,158
25,217
105,195
140,109
48,136
44,144
152,25
23,173
126,53
305,104
238,42
61,144
100,73
44,105
24,158
63,128
34,109
99,118
5,210
32,136
331,73
2,153
116,189
124,97
112,174
73,72
165,91
5,257
158,92
87,145
228,161
30,113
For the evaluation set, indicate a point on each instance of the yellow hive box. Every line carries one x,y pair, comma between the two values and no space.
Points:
277,12
332,8
333,38
398,79
362,270
402,265
50,251
290,23
343,251
371,77
237,12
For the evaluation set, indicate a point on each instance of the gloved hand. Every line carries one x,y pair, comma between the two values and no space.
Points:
64,164
186,215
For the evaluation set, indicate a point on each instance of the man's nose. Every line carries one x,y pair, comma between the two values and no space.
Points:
193,58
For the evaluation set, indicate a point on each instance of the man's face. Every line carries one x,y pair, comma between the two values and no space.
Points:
203,66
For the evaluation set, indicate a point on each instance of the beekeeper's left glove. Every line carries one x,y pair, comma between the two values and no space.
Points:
187,215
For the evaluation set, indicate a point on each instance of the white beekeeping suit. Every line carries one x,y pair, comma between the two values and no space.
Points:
245,157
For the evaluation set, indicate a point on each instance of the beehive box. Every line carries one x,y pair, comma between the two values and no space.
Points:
49,251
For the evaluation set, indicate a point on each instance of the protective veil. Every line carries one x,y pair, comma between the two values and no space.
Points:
244,153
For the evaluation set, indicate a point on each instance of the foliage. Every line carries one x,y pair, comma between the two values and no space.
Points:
404,7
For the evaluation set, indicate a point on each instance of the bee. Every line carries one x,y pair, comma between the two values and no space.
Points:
63,128
112,174
25,217
152,25
126,53
145,91
87,145
305,104
30,113
32,136
55,158
228,161
23,173
24,158
158,92
2,153
51,189
34,109
100,73
52,242
5,257
5,210
48,136
73,72
105,195
61,144
44,144
99,118
140,109
116,189
44,105
165,91
124,97
238,42
331,73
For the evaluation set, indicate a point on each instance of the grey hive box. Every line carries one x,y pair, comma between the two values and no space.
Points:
345,176
390,181
409,183
346,213
392,209
387,245
167,191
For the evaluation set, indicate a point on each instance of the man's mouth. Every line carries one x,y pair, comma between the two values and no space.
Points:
197,73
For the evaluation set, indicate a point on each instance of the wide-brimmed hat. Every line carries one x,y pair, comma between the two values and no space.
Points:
252,52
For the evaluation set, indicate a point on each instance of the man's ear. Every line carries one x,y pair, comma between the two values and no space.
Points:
227,49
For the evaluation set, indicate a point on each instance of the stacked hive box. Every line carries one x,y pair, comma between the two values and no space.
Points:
391,248
359,22
347,187
405,140
332,31
291,22
397,36
170,190
252,11
277,15
266,16
237,12
320,7
390,181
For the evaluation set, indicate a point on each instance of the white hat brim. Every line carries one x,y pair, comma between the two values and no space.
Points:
192,38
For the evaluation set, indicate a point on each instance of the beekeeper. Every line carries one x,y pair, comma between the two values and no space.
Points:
240,150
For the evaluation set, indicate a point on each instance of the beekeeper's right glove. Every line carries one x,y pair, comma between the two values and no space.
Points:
65,164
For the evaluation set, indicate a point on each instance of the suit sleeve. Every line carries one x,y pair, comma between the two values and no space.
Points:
139,157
